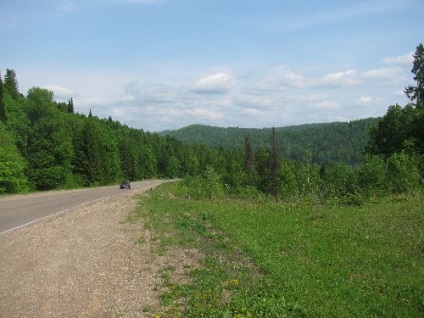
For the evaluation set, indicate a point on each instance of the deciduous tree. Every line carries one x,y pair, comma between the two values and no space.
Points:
49,149
12,165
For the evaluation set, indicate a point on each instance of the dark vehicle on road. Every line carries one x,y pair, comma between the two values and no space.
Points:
125,185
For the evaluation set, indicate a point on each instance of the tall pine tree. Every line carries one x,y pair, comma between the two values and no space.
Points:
71,106
2,102
11,84
416,93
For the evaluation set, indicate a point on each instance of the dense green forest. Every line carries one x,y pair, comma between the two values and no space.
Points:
327,142
45,145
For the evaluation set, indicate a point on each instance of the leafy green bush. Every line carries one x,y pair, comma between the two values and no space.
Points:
206,186
12,165
403,173
372,176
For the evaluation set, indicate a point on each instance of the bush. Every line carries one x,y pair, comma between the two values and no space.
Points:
403,173
372,176
207,186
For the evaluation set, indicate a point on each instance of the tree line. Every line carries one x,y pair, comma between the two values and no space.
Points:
328,142
392,161
45,145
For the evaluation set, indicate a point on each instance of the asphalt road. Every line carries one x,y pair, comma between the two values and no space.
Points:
21,210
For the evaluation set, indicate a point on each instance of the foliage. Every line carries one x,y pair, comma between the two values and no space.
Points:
372,176
2,102
267,259
401,128
49,148
416,93
12,165
206,186
63,149
403,173
60,148
11,84
328,143
395,131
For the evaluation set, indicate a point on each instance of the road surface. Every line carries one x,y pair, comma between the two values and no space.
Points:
21,210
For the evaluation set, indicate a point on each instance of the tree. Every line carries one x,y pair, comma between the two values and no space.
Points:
2,102
416,93
394,132
249,161
274,163
71,106
11,84
12,165
49,150
96,154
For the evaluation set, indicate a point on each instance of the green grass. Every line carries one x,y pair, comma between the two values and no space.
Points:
268,259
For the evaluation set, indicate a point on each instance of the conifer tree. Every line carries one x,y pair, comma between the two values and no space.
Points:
2,102
11,84
416,93
71,106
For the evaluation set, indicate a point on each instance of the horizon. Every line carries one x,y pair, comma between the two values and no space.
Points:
261,128
164,65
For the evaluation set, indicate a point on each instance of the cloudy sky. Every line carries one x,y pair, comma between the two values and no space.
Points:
166,64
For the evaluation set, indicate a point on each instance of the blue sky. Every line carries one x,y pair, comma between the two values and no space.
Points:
166,64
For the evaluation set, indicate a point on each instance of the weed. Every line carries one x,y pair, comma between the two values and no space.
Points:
271,259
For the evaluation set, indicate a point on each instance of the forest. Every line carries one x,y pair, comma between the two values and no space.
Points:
45,144
328,142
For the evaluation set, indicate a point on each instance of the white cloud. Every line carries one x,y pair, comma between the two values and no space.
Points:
61,92
343,78
406,59
252,112
368,101
326,105
146,93
218,83
385,74
289,78
201,113
275,97
254,101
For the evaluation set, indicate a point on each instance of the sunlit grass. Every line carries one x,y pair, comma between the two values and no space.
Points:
268,259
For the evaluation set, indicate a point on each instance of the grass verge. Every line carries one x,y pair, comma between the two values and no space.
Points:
267,259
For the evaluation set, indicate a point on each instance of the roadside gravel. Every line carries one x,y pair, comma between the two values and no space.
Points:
85,263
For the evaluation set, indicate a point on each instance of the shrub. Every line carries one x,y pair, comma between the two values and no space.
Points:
206,186
403,173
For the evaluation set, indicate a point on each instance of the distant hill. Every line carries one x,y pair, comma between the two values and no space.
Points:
328,142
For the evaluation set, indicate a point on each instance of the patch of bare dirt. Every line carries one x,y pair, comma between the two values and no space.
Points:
88,262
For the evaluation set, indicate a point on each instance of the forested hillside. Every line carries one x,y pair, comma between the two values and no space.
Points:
326,143
46,145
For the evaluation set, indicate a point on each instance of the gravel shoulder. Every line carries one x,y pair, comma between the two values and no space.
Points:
85,263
